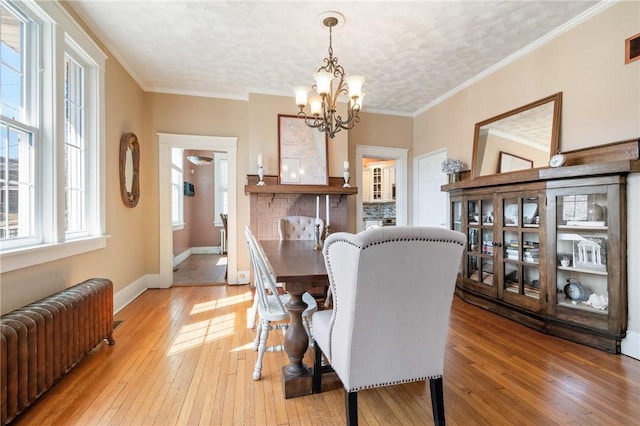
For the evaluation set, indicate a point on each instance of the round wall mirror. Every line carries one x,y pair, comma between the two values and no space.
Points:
129,169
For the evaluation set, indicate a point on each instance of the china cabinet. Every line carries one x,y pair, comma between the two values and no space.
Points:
379,181
547,248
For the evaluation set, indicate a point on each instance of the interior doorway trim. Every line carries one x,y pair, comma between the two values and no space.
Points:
210,143
385,153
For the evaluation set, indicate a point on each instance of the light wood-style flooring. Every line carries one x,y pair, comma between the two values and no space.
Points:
183,356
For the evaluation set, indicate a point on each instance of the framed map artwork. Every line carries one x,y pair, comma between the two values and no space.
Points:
302,153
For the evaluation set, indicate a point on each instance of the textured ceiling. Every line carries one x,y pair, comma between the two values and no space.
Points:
411,53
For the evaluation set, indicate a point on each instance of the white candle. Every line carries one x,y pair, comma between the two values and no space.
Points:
346,164
327,209
317,208
260,160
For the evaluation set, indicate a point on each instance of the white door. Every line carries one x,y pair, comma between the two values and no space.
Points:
430,204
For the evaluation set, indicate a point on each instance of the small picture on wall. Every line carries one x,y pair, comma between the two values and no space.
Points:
511,163
189,190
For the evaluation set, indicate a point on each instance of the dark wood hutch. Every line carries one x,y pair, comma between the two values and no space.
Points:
547,247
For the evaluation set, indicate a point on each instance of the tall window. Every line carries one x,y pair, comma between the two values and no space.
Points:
51,133
177,193
221,185
74,144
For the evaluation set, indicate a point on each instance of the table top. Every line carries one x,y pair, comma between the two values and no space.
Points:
296,261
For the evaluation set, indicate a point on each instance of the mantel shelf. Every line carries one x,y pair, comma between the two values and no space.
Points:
272,187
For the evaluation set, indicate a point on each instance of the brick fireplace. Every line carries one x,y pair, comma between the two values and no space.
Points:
266,209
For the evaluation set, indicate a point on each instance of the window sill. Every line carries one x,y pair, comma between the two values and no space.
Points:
32,256
178,226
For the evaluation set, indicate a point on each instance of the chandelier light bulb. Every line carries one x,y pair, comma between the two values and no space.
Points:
323,82
355,83
316,105
301,95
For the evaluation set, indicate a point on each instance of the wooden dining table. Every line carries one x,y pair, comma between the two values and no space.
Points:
299,267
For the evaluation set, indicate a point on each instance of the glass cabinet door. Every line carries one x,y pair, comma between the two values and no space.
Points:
456,216
521,248
582,248
480,243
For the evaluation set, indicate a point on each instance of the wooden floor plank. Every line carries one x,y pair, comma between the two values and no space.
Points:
183,356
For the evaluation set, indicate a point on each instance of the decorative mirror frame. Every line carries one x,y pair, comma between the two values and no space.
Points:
556,99
129,152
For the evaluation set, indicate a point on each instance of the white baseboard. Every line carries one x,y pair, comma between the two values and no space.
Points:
242,277
205,250
181,257
194,250
630,345
128,294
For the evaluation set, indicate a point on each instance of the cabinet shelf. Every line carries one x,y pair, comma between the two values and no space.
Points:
582,228
583,270
580,306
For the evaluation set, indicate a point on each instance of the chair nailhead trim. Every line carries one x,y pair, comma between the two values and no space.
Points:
395,382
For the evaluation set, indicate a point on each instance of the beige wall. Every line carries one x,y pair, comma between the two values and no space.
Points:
600,93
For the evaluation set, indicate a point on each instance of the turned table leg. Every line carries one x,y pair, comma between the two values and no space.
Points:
297,377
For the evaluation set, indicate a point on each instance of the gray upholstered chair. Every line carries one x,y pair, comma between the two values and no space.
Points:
270,303
392,293
299,228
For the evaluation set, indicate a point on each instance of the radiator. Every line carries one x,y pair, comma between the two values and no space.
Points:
41,341
223,241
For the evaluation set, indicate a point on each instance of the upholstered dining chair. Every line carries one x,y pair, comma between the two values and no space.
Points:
392,293
299,228
270,304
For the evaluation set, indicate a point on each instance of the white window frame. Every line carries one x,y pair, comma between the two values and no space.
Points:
59,34
219,188
177,165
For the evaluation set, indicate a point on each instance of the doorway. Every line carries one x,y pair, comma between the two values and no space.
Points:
384,153
211,143
430,203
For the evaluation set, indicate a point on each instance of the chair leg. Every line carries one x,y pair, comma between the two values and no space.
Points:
256,342
437,401
351,402
264,334
317,370
251,314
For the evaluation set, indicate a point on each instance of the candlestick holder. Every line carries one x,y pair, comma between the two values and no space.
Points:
326,232
317,245
261,176
346,178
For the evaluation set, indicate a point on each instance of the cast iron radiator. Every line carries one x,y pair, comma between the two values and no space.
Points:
41,341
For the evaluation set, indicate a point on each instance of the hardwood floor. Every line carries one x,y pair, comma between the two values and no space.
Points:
201,269
183,356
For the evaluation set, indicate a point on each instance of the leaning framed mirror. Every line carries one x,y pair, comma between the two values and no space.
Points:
529,133
129,169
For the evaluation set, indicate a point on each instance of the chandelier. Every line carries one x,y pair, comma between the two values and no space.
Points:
331,83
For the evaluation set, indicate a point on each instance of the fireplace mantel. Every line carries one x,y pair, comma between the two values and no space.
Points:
272,187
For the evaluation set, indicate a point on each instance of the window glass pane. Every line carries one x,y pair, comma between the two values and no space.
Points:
75,202
16,183
11,65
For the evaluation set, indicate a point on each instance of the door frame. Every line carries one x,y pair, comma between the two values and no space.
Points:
386,153
210,143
